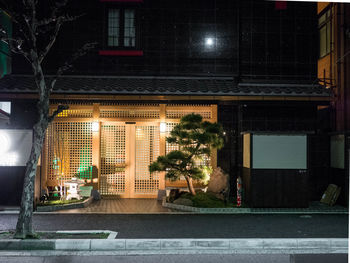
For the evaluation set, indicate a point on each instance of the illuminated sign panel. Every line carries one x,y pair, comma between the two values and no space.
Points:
15,146
279,151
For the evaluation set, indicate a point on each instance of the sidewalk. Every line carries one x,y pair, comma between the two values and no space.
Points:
151,206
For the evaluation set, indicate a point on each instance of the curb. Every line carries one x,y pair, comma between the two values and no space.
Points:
273,211
51,208
176,246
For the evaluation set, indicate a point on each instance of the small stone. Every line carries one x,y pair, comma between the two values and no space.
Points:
183,201
96,195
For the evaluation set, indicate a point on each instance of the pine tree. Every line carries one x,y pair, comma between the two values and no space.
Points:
195,139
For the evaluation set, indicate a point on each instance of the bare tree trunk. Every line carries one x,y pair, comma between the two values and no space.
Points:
24,228
190,185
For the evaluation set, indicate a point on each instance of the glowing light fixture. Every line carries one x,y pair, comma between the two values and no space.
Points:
95,180
4,142
95,126
209,41
162,127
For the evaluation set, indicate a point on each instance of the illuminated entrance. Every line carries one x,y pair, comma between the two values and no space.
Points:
126,152
111,146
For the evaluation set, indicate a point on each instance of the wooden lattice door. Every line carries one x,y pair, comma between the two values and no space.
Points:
146,151
113,177
126,152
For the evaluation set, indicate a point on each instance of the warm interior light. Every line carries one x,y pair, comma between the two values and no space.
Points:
162,127
95,126
95,180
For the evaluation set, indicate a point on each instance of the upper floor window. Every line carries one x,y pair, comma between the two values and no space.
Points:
324,26
5,106
121,28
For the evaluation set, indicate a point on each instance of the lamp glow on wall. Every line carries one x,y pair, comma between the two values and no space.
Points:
95,126
4,142
162,127
15,147
6,158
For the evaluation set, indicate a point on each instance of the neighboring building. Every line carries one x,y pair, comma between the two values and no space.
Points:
334,73
5,56
250,65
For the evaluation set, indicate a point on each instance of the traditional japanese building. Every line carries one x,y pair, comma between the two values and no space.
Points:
250,65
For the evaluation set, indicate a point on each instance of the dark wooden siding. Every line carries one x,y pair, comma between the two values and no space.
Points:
276,188
11,185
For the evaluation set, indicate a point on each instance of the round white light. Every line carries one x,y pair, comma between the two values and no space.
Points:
209,41
4,142
95,126
162,127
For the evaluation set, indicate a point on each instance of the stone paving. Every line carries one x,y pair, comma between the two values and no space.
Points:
122,205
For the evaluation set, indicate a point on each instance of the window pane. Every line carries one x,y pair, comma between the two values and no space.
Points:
328,41
129,28
323,41
5,106
322,19
113,27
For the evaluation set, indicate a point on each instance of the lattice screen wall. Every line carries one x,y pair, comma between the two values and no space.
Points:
142,114
170,146
183,110
69,151
76,113
113,180
147,151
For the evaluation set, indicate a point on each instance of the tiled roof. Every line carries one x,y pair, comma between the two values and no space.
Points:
161,86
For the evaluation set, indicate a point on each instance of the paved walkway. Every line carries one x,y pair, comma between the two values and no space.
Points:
122,206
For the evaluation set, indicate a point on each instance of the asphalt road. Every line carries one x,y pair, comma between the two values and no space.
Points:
324,258
193,226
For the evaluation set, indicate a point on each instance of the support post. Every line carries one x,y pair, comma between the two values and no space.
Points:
96,135
162,144
214,118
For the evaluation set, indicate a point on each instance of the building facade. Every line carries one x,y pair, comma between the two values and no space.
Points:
250,65
334,73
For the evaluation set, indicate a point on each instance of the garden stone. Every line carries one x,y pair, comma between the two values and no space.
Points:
96,195
183,201
219,183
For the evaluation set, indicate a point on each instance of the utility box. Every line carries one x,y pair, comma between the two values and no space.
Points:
275,170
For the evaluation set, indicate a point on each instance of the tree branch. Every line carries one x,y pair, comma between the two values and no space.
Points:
59,109
69,63
15,44
59,22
